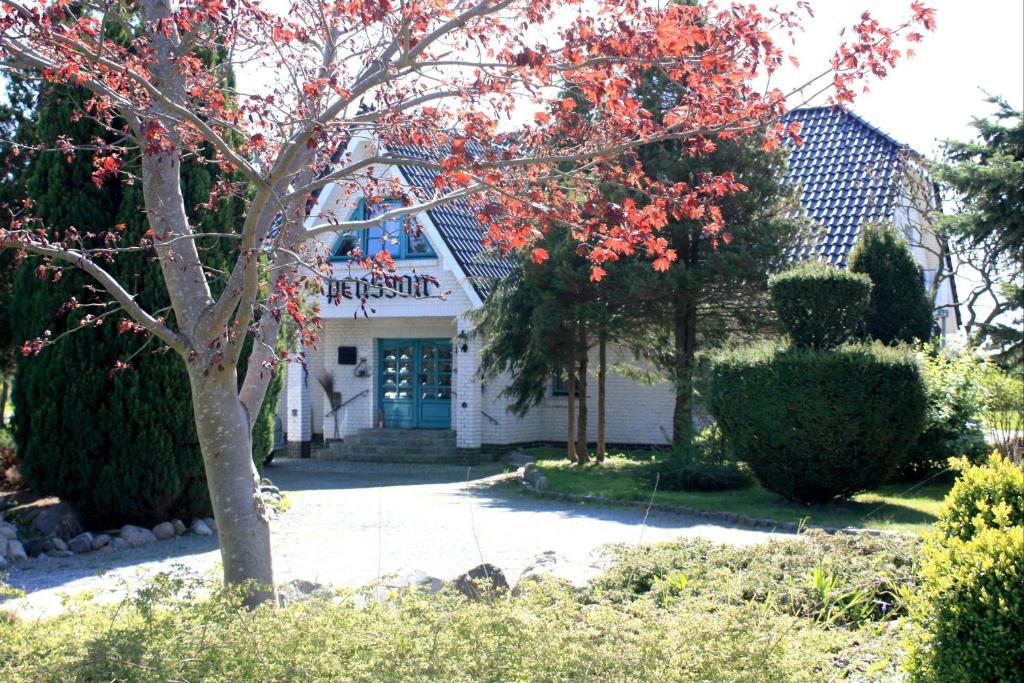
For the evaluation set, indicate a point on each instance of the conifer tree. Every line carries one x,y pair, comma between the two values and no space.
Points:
899,309
86,432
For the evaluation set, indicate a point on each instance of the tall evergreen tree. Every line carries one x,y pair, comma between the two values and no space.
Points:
987,174
899,309
85,432
718,286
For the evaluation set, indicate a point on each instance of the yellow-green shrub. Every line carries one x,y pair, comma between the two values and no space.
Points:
970,609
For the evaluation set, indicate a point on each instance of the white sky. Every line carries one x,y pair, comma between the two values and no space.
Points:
977,46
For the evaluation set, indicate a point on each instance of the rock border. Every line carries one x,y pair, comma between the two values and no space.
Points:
534,482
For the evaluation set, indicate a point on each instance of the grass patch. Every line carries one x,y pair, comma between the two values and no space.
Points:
746,614
895,507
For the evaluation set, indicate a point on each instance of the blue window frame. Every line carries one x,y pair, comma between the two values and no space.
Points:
391,236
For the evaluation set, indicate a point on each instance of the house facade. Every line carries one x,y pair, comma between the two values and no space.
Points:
409,360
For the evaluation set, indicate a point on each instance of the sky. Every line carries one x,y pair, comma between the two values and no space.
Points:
977,47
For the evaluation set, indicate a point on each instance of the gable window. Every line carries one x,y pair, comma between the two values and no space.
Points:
393,236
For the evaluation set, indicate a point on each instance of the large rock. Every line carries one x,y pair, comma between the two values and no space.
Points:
8,531
100,541
200,528
179,527
16,551
550,565
164,530
82,543
541,483
136,535
57,519
482,581
58,544
211,522
298,590
416,577
118,543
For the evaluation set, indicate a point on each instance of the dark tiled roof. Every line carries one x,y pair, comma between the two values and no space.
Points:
847,173
457,223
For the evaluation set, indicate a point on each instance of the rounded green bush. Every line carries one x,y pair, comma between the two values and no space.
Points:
818,425
984,496
970,609
819,306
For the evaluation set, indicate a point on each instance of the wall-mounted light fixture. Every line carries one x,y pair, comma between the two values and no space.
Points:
463,341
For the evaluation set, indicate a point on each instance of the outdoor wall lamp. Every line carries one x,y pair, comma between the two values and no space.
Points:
463,339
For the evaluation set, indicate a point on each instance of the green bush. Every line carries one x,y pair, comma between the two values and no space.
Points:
982,495
956,406
700,466
969,612
819,306
899,309
818,425
176,631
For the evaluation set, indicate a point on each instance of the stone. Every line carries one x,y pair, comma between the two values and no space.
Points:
416,577
212,523
60,553
164,530
201,528
298,590
58,543
82,543
530,471
541,483
118,543
8,531
16,551
482,581
100,541
136,535
58,519
179,527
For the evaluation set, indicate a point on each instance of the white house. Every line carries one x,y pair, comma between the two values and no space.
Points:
411,363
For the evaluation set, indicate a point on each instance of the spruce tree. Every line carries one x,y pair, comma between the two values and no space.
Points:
899,310
86,433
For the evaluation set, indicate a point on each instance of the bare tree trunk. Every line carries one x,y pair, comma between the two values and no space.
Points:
581,423
685,324
602,374
243,522
570,442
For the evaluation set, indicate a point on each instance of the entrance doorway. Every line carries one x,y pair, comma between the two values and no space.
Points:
415,383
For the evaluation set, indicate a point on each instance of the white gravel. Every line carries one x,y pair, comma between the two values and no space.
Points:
351,523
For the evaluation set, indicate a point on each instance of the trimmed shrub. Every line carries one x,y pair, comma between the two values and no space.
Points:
970,609
819,306
818,425
899,309
983,497
693,475
956,404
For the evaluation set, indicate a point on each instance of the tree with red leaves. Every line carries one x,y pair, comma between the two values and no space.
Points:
439,74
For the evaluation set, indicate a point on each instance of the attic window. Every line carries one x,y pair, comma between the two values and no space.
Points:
400,238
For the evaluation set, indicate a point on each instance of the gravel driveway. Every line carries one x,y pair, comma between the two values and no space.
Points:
350,523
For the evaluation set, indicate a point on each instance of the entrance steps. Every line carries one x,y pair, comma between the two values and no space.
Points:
428,446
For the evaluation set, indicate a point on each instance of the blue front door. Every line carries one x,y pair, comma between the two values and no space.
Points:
416,383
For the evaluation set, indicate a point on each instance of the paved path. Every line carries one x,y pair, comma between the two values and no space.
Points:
350,523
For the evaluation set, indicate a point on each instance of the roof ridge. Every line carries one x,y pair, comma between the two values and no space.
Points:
861,120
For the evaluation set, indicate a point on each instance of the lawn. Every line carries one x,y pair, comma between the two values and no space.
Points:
905,507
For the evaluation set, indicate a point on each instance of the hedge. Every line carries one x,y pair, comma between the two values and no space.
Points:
818,425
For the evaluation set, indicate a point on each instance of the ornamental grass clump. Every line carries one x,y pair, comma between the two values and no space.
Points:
969,611
819,420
